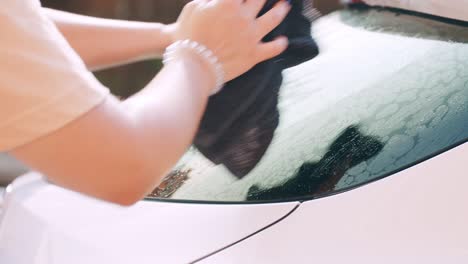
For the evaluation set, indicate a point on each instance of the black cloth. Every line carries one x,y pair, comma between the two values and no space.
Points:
239,122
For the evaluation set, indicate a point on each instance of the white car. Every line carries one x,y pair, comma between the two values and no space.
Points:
368,165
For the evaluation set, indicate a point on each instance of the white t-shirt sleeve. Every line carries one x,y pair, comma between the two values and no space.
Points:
43,83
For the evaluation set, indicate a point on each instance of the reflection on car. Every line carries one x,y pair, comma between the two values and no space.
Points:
313,178
387,91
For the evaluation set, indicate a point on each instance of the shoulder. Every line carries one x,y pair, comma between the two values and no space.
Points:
44,84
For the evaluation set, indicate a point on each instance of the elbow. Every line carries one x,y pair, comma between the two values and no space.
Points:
129,195
125,201
131,190
133,175
126,197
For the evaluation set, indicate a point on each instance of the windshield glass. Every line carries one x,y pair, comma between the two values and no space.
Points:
387,90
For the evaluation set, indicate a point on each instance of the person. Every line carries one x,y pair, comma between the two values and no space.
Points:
60,121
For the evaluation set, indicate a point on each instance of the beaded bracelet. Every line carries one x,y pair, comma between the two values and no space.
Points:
174,51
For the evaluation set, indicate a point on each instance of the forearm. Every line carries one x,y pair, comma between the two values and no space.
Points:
168,111
104,43
120,151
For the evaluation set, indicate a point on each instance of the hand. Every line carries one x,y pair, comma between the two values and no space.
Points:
231,29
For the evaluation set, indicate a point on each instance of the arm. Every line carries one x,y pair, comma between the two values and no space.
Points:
119,151
104,43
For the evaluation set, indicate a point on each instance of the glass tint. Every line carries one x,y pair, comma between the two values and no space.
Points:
387,91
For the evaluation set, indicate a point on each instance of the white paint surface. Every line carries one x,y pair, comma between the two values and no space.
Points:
45,224
417,216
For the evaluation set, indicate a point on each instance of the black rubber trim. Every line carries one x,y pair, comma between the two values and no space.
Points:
251,235
399,11
314,197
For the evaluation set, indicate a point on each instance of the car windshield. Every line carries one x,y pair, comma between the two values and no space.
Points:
387,91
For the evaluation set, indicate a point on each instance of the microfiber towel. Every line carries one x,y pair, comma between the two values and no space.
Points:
239,122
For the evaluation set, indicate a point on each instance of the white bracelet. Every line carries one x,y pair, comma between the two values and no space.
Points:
174,50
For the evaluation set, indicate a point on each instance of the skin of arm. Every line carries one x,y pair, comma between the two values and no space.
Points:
120,150
125,148
104,43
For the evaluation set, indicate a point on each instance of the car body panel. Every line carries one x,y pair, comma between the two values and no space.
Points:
419,215
455,9
46,224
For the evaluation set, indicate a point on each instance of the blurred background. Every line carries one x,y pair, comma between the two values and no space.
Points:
126,80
